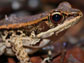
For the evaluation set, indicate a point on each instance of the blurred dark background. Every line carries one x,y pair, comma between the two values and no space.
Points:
74,36
28,7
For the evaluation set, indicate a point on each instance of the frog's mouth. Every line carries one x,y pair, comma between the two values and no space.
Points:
37,43
61,27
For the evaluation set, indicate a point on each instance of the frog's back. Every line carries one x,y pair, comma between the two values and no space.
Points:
16,22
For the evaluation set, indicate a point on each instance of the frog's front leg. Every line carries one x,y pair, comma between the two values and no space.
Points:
18,48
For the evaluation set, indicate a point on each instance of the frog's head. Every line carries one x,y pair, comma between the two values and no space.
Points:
61,18
64,12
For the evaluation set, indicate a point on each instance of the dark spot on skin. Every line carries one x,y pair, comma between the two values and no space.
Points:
3,34
18,33
8,36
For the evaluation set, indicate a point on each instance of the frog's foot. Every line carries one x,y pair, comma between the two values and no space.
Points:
49,58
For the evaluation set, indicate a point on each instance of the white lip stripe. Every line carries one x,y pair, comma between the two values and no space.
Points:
61,27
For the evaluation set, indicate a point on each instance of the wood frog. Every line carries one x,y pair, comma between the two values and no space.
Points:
21,36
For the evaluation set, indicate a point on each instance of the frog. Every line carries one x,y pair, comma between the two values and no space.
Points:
21,36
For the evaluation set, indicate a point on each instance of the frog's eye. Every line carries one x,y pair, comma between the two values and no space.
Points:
56,17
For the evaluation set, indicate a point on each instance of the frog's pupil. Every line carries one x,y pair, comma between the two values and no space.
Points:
56,17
